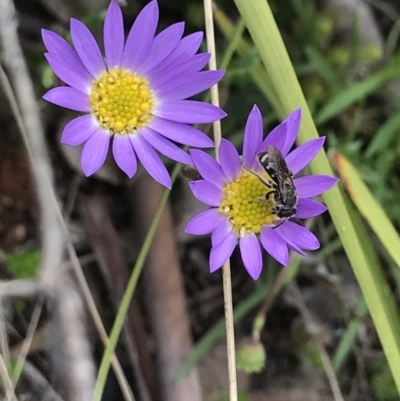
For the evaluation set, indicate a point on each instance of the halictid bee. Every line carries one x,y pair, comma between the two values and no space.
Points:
281,184
283,189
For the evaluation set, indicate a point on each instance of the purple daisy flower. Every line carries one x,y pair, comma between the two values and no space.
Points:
136,95
241,212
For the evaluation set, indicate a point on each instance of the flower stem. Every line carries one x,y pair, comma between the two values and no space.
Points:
127,297
226,269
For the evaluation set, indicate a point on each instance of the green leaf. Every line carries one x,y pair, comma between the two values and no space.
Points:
384,136
23,264
347,97
324,67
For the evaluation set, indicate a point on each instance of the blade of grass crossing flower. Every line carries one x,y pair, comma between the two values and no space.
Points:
350,335
369,207
266,37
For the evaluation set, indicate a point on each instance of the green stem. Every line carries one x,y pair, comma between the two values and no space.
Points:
126,300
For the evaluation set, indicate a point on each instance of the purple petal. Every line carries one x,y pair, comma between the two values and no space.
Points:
86,46
162,46
277,138
220,254
313,185
298,235
181,133
275,245
307,208
188,46
189,111
209,168
229,159
56,44
150,160
184,67
253,134
302,155
71,71
221,231
67,97
204,222
251,255
189,85
79,130
113,35
140,36
293,124
124,154
206,192
164,146
289,242
94,152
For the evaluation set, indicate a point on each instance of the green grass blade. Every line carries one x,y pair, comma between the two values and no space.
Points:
349,338
350,95
384,136
369,207
266,37
324,67
257,71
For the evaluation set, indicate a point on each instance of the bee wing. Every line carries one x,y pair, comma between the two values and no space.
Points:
275,165
279,162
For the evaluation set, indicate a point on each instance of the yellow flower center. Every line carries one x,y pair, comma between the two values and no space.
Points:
247,205
121,101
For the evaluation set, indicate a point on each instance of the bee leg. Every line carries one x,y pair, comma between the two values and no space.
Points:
267,183
279,224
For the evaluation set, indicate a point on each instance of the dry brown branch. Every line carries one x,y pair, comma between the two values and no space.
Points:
38,384
20,288
165,295
110,257
53,235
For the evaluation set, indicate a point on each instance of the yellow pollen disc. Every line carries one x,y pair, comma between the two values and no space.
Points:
246,204
121,101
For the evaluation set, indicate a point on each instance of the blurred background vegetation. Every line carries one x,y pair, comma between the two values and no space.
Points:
346,54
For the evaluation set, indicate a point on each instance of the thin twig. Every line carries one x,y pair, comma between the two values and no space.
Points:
31,288
7,382
20,288
329,371
53,236
38,384
226,269
26,345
